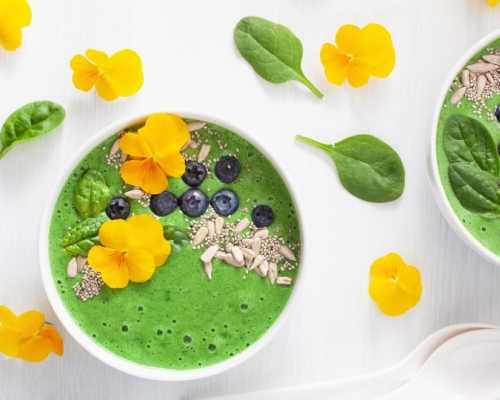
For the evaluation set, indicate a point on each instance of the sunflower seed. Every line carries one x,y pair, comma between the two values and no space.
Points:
135,194
257,261
457,96
284,280
220,255
209,253
481,84
115,148
492,58
287,253
208,268
248,253
231,261
200,236
193,144
242,225
262,269
261,234
247,242
229,247
81,261
72,268
237,254
256,245
195,125
466,78
123,157
211,229
219,224
489,76
272,272
203,154
482,67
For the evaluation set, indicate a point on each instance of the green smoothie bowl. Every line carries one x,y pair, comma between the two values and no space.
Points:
464,162
171,247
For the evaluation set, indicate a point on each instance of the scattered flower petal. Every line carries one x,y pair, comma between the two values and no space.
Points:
14,15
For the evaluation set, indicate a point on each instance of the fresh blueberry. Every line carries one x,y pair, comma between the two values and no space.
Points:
262,216
195,173
193,202
163,204
497,113
225,202
227,169
118,208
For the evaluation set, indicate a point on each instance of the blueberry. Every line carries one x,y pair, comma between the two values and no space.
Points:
118,208
262,216
163,204
195,173
227,169
193,202
497,113
225,202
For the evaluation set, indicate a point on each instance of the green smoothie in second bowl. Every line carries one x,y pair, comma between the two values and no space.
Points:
467,141
175,243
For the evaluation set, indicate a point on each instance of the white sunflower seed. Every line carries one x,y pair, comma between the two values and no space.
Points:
211,229
287,253
195,125
231,261
209,253
247,242
482,67
229,247
262,269
261,234
489,76
248,253
466,78
481,84
123,157
203,154
200,236
72,269
284,280
272,272
242,225
135,194
257,261
256,246
219,224
115,148
81,261
220,255
237,254
457,96
208,268
492,58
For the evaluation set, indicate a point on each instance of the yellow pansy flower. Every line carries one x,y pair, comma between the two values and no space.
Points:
118,75
394,286
130,250
28,336
493,3
156,152
14,15
358,54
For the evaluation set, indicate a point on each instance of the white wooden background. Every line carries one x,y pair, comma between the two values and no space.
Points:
190,64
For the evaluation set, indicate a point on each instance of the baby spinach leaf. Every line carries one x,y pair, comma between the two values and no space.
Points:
477,190
273,51
368,168
80,238
28,122
467,139
92,194
177,236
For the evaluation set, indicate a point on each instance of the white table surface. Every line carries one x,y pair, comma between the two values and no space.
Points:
190,64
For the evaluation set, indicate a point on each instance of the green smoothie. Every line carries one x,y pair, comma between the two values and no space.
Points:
475,93
181,319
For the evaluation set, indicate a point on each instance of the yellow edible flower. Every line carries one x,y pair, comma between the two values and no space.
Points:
118,75
493,3
28,336
358,54
156,152
14,15
130,250
394,286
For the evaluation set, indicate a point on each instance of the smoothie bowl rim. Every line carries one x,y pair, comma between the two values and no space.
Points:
433,168
100,352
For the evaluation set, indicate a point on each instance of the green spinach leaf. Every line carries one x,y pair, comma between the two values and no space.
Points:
80,238
467,139
368,168
273,51
28,122
477,190
92,194
177,237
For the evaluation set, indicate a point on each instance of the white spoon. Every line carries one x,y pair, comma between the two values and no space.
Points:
370,385
465,367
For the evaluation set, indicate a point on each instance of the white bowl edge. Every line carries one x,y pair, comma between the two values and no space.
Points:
433,171
108,357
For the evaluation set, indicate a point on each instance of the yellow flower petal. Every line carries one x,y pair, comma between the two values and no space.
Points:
9,342
334,63
173,164
165,132
141,265
357,74
54,337
99,58
493,3
10,36
6,316
134,145
377,50
105,90
124,73
145,174
114,234
35,349
349,39
30,323
17,12
85,74
111,264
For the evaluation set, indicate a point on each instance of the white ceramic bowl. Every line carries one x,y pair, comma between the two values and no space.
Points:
100,352
437,187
